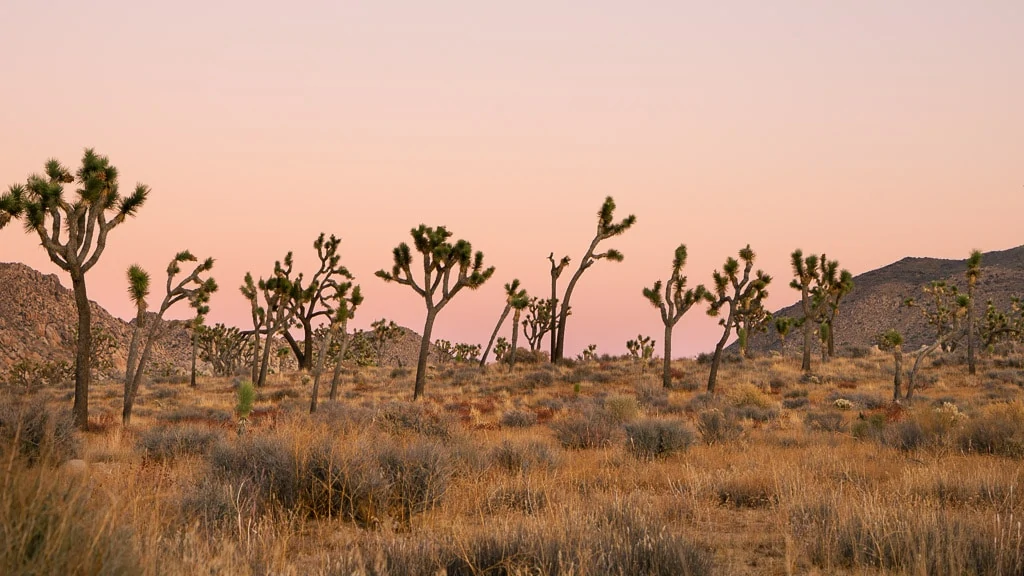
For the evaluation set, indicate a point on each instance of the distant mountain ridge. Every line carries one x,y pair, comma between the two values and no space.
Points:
875,305
38,320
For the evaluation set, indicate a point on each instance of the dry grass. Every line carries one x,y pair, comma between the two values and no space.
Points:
584,469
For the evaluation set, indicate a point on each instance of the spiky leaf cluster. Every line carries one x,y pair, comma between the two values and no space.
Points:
441,259
675,300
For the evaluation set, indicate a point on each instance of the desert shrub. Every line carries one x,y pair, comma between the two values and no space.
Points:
847,538
857,351
652,396
749,395
518,457
51,524
37,432
755,413
998,430
794,403
465,376
205,414
419,475
829,421
553,404
277,395
539,378
859,399
622,408
399,417
348,486
165,443
399,372
265,464
796,393
342,416
521,498
657,438
925,428
29,375
582,431
717,427
518,419
869,428
747,491
210,502
1012,376
702,402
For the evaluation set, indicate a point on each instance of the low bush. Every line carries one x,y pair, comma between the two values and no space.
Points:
649,439
622,408
717,427
403,417
165,443
518,419
997,430
516,457
37,432
825,421
583,431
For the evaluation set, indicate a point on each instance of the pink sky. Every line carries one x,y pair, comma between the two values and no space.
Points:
867,130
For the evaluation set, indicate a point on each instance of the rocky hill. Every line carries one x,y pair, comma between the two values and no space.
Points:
38,320
874,306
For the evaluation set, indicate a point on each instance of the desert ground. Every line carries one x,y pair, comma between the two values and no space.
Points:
579,468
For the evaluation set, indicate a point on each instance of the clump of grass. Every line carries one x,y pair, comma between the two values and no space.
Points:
622,408
997,430
827,421
404,417
37,432
581,431
648,439
517,457
165,443
747,491
419,474
518,419
717,427
262,468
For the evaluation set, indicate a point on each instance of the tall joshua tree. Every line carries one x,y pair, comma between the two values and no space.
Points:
512,293
74,231
677,300
892,341
519,303
943,309
148,325
342,301
831,286
537,322
313,301
743,288
806,273
440,259
972,273
606,228
279,292
200,302
556,272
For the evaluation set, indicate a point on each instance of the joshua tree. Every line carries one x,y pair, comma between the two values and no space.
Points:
384,332
972,273
743,288
677,300
519,303
74,231
466,352
537,322
783,324
999,325
501,348
606,228
201,304
944,309
440,259
279,293
341,302
892,341
512,293
831,286
148,325
806,273
224,348
556,271
313,303
751,317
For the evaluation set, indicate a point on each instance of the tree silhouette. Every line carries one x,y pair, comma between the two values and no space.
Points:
806,273
892,341
943,309
556,272
606,229
519,303
512,293
673,303
440,259
743,288
831,286
148,325
537,322
279,293
313,301
74,231
972,273
341,301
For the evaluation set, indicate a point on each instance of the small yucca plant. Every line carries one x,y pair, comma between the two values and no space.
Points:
246,398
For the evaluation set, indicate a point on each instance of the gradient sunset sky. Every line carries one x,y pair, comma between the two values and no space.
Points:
868,130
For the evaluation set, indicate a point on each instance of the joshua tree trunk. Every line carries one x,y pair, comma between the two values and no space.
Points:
917,364
265,360
83,353
831,340
195,344
320,368
897,380
131,387
666,373
554,316
256,353
805,364
515,340
421,364
337,366
971,365
501,320
716,361
303,356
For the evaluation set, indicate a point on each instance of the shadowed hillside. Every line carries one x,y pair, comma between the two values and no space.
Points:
874,306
